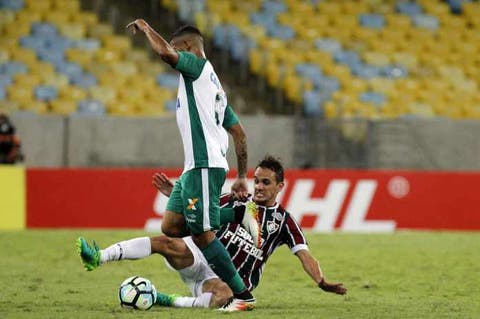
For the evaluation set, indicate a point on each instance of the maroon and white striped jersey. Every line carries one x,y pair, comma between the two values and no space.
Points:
278,228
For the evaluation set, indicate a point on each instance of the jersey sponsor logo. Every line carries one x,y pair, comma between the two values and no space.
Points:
177,106
243,240
191,203
272,227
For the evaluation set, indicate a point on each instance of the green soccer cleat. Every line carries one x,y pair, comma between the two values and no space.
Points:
166,300
90,256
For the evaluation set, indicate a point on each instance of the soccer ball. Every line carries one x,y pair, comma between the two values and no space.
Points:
137,293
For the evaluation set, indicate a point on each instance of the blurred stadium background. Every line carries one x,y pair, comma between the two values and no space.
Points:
347,84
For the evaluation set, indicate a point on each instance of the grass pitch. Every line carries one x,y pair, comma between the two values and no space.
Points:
402,275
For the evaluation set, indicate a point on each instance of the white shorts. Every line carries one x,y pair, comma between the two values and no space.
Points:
195,275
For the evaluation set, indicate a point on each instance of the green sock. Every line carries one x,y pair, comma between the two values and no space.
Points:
164,300
231,215
219,259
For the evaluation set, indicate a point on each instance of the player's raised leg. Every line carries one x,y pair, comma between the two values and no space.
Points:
201,194
93,257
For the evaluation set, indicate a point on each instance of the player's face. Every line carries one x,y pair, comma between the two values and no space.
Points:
266,187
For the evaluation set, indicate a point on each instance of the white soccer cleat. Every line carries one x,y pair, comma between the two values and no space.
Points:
251,224
234,304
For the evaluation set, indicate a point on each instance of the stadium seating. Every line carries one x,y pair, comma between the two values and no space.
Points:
56,58
356,57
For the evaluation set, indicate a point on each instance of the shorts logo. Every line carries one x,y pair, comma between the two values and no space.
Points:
191,204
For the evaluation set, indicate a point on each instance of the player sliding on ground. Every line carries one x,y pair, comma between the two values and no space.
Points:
200,112
278,228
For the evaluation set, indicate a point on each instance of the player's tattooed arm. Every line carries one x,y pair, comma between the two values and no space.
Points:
157,42
239,188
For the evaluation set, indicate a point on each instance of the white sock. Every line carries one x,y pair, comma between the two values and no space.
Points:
129,249
202,301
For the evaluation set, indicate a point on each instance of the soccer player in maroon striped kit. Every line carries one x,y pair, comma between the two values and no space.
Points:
278,227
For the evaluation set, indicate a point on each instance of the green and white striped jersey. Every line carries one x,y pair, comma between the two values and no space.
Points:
201,105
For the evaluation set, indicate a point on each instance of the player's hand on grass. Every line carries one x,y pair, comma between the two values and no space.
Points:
138,24
240,189
162,183
336,288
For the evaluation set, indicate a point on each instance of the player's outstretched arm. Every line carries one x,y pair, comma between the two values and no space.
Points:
157,42
312,268
239,187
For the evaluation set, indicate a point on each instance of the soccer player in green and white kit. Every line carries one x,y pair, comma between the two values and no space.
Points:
201,105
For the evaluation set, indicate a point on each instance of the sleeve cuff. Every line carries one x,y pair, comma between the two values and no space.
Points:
299,247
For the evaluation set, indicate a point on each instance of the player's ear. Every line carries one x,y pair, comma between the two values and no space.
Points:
187,44
280,186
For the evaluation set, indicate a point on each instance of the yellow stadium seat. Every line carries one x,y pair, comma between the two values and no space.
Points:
70,6
4,56
451,73
420,109
6,17
63,106
27,80
272,73
169,4
122,108
136,55
356,85
148,108
131,95
201,21
89,19
408,60
27,17
342,72
354,7
152,68
382,85
375,58
398,21
159,94
124,68
41,68
38,6
329,8
57,17
37,107
16,30
74,31
99,30
294,86
141,80
72,93
107,56
55,79
103,94
111,79
465,86
8,106
82,57
115,42
256,59
20,93
26,56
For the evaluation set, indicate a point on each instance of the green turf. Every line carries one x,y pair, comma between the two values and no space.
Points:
404,275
